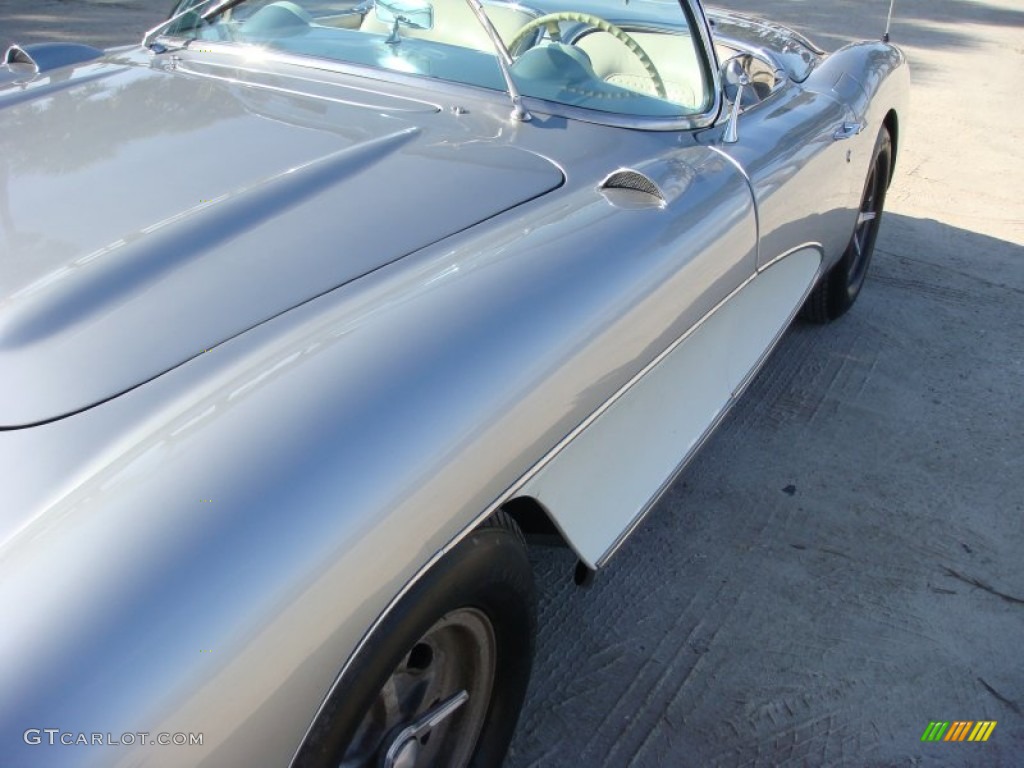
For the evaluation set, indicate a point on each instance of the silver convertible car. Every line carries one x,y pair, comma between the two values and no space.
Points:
313,314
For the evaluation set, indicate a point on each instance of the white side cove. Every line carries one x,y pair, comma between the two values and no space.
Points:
600,485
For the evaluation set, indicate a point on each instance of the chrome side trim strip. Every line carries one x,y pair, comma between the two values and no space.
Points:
515,487
505,496
733,399
814,245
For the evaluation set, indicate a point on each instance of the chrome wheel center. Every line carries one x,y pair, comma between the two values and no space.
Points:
431,709
865,232
405,747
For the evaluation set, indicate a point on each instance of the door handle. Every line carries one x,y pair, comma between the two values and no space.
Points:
847,131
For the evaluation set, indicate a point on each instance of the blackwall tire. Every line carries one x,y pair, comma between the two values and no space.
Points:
477,603
839,288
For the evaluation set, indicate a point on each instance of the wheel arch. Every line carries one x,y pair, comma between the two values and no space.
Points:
892,124
535,521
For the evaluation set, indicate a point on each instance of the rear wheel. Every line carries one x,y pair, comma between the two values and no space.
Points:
442,679
840,286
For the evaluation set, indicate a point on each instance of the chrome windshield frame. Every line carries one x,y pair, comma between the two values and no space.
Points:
696,20
150,35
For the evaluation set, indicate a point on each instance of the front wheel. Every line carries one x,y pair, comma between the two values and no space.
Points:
443,677
840,286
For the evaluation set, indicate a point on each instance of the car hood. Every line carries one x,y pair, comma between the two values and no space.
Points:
148,213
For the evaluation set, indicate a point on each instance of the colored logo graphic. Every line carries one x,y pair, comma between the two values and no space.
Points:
958,730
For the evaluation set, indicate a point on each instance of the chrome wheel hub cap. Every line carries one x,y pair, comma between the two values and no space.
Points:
432,708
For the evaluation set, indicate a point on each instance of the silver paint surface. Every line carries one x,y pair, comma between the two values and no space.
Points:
204,551
239,215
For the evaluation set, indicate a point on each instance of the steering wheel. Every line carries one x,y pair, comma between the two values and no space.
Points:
550,21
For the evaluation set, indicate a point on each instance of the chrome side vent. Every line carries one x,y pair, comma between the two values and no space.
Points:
637,187
633,181
42,57
18,55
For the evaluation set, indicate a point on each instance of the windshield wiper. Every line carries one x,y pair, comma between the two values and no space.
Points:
519,112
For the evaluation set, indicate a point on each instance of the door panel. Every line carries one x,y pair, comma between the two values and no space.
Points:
601,484
798,171
670,265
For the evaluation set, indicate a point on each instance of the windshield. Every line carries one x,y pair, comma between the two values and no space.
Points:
628,57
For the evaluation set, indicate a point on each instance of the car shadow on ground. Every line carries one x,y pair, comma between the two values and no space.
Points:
838,567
